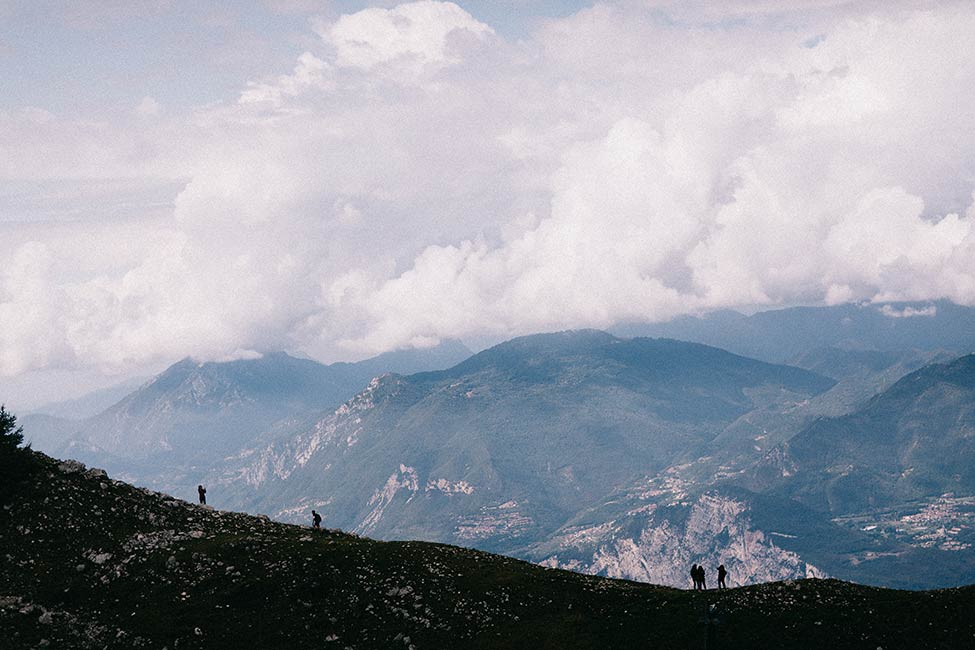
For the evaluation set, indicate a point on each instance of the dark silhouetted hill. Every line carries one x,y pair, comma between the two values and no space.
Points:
90,562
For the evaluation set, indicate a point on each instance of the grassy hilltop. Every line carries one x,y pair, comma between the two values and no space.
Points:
89,562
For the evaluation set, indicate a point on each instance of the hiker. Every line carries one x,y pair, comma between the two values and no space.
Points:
316,520
203,494
722,573
694,575
700,577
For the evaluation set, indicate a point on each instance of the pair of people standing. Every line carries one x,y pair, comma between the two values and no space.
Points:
698,576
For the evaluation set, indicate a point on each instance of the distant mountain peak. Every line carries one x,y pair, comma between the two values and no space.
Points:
202,411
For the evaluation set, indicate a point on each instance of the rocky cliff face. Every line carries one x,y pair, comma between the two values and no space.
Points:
656,547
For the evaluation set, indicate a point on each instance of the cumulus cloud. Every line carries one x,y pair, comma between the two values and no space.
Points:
310,72
415,176
416,34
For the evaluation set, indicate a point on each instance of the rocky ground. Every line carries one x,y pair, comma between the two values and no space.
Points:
89,562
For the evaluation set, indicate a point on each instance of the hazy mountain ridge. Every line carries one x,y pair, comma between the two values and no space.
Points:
779,335
174,429
91,403
176,412
861,374
91,562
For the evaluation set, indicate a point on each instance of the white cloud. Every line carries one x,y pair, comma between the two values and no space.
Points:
417,177
309,73
148,107
756,190
909,312
413,34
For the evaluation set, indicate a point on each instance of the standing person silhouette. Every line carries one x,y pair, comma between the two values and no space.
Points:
694,575
316,520
722,574
203,494
700,577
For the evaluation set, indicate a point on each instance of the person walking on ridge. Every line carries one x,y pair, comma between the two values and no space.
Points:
694,575
203,494
316,520
722,574
700,577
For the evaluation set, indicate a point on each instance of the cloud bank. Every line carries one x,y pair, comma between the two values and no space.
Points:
417,176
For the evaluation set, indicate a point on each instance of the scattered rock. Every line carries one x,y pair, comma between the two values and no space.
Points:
71,466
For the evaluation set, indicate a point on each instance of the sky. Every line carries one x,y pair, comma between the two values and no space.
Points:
339,178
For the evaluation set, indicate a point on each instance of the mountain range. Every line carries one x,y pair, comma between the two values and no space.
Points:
626,457
508,444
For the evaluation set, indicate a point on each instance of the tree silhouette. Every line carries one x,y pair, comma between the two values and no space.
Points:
14,462
11,436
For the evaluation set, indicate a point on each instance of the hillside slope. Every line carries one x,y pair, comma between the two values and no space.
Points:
95,563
